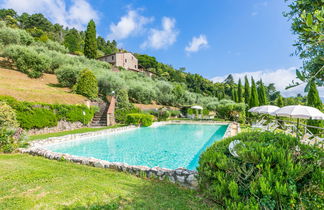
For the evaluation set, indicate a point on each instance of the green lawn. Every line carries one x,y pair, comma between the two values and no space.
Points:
28,182
63,133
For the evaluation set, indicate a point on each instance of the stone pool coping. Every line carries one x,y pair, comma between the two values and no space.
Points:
182,176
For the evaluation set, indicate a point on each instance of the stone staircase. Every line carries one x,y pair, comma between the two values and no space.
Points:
100,118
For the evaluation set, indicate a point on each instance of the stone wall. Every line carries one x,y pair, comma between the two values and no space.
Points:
61,126
181,176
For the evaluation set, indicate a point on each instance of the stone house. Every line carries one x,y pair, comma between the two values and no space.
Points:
122,59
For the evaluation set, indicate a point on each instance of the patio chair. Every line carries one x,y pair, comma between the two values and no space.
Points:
259,124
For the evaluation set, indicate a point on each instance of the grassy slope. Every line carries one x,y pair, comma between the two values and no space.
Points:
21,87
28,182
63,133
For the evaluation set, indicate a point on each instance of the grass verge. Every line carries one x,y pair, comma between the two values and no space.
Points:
28,182
63,133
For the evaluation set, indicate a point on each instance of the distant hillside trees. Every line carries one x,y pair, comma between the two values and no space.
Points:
90,42
73,41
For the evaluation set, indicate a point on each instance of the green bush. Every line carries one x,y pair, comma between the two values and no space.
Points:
87,84
67,75
39,115
139,119
7,116
28,60
271,171
231,111
163,115
51,45
8,141
175,113
14,36
121,113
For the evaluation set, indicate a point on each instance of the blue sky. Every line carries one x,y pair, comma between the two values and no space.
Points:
211,37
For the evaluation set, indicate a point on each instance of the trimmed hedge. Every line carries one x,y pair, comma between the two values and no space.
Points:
140,119
39,115
272,171
87,84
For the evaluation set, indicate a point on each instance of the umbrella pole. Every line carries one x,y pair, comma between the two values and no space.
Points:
297,129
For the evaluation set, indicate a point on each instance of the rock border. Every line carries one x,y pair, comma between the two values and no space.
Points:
181,176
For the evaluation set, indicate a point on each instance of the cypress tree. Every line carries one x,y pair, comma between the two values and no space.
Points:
247,90
314,100
262,94
254,99
233,94
90,42
280,101
240,91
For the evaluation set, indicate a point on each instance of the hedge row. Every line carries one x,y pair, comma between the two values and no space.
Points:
140,119
39,115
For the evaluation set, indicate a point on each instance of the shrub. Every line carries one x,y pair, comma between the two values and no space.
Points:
67,75
174,113
37,118
28,60
87,84
7,116
121,113
231,111
14,36
38,115
205,112
139,119
163,115
51,45
271,171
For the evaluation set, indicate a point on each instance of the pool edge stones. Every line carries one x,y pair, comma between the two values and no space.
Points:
181,176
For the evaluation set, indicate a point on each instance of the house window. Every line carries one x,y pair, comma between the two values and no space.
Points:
135,66
125,60
112,57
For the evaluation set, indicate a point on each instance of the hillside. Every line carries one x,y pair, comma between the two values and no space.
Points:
44,89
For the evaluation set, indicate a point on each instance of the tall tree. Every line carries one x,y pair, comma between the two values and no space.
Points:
240,91
262,93
73,41
247,90
254,99
307,23
90,42
314,100
280,101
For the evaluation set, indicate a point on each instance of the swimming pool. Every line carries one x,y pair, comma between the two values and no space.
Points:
167,146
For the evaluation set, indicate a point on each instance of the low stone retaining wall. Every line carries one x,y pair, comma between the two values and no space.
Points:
61,126
181,176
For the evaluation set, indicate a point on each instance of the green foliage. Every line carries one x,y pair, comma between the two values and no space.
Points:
262,94
280,101
240,92
272,171
38,115
163,115
247,90
90,42
9,139
28,60
87,84
106,47
14,36
73,40
140,119
314,100
254,99
7,116
51,45
205,112
308,24
231,111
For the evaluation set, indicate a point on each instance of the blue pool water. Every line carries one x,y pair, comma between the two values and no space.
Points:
168,146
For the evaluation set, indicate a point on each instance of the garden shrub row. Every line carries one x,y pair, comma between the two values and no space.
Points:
139,119
39,115
268,171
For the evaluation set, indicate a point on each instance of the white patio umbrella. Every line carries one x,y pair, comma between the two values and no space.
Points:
266,109
299,112
253,109
197,107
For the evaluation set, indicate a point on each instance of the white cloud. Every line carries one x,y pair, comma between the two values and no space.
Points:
196,44
77,15
280,77
159,39
130,24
